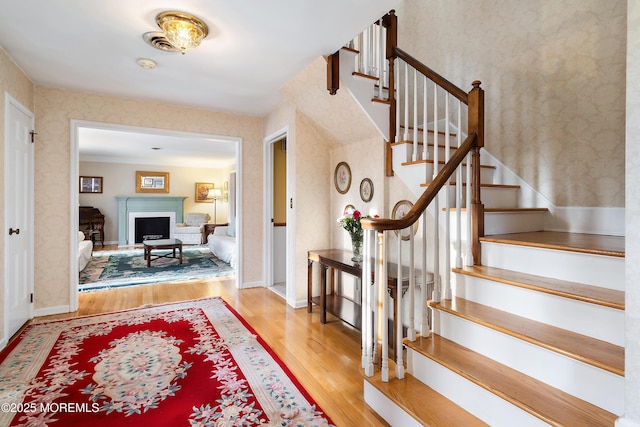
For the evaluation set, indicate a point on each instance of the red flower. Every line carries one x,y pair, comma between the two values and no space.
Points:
356,214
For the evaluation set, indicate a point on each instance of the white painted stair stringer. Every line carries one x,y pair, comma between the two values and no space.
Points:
363,91
483,404
597,270
569,375
596,321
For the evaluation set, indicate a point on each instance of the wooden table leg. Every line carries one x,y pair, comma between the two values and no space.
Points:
180,250
309,284
323,294
148,254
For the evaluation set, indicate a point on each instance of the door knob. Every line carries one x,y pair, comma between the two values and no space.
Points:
11,231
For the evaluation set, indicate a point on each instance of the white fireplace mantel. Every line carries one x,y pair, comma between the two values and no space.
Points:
142,205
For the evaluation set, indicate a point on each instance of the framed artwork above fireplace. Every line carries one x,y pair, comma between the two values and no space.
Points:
152,182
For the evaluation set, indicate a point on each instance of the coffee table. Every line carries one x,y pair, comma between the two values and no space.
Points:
162,244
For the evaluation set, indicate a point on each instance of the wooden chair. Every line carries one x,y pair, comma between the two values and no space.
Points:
96,230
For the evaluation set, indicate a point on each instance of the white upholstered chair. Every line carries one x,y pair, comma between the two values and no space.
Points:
191,231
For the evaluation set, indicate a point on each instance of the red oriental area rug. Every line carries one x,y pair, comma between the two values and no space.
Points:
193,363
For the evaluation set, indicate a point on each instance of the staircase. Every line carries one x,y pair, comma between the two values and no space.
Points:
533,334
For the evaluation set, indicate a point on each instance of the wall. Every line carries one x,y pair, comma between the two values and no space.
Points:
554,76
120,180
632,249
14,82
54,110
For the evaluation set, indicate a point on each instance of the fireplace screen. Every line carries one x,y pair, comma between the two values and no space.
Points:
152,228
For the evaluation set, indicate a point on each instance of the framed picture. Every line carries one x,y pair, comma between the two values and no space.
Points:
342,177
91,184
366,190
399,211
202,192
152,182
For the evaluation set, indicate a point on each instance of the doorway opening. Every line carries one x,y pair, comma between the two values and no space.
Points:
155,150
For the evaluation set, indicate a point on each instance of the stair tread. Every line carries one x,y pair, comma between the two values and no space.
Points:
577,291
576,242
533,396
589,350
424,403
498,210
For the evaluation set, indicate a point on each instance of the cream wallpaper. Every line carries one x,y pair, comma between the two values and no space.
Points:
554,79
14,82
55,109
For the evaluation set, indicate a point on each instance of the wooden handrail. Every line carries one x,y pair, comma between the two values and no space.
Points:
432,75
381,224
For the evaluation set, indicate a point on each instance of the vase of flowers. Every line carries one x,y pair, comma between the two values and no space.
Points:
350,221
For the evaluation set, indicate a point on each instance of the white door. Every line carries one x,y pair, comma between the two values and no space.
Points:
18,187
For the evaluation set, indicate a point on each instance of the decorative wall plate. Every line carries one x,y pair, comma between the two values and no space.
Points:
342,177
366,190
400,210
348,208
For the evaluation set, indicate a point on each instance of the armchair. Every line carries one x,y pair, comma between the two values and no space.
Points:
191,231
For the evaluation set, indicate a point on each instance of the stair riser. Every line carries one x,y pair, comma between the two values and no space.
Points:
603,323
453,142
387,409
483,404
566,374
504,222
596,270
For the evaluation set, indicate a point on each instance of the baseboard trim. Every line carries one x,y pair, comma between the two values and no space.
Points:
248,285
48,311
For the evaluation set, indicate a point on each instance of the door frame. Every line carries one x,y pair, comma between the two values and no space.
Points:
76,124
268,214
11,102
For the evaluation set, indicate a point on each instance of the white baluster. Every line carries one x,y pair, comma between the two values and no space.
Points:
436,204
424,326
360,65
383,312
447,198
398,98
398,319
406,101
468,205
415,115
411,330
380,61
367,324
459,194
425,134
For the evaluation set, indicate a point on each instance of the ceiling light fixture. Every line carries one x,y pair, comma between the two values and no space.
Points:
183,30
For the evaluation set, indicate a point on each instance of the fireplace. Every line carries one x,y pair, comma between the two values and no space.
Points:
152,228
132,207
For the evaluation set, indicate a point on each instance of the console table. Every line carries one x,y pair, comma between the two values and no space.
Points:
339,260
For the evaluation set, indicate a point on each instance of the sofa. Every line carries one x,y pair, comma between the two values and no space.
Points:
222,243
85,247
191,231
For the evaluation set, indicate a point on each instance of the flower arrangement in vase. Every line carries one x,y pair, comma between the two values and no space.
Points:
350,221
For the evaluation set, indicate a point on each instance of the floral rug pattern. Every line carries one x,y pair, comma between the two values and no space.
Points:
108,269
193,363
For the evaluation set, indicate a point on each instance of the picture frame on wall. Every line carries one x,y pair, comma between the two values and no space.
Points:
399,211
202,192
91,184
366,190
342,177
152,182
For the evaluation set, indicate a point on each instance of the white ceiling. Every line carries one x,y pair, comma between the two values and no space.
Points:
254,47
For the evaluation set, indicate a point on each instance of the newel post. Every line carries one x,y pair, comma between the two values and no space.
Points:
476,125
390,22
333,73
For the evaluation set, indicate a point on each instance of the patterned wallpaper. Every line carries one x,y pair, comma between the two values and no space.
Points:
554,76
54,110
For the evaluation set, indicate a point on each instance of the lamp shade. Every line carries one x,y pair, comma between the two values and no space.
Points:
214,193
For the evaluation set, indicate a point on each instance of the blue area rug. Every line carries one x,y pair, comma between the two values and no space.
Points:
109,269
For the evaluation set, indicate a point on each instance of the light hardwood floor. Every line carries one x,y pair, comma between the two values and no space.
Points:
324,358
